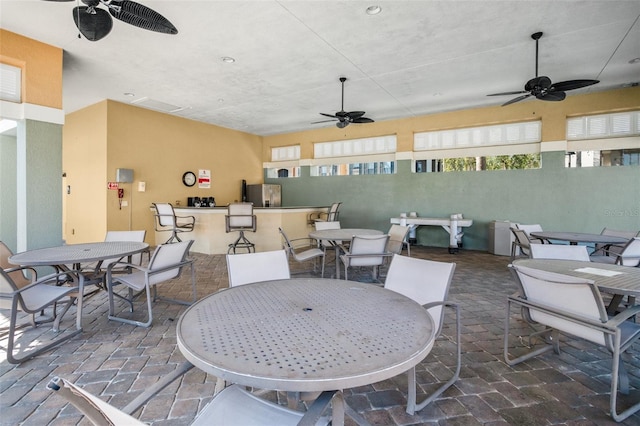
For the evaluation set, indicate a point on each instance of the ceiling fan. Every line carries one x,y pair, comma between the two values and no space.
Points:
95,23
345,118
542,88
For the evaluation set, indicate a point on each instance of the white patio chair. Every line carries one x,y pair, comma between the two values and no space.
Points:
232,406
325,244
427,282
166,220
553,303
249,268
398,239
528,229
331,215
521,243
365,250
302,250
628,256
613,249
559,251
33,298
166,264
100,268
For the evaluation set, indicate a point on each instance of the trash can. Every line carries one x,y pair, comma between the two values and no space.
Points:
500,237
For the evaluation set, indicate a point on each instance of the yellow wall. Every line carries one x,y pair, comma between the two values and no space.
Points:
41,66
552,114
84,162
159,148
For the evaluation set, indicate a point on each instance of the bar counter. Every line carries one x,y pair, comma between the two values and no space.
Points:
210,237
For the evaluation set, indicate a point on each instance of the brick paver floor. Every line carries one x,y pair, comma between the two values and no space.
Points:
118,361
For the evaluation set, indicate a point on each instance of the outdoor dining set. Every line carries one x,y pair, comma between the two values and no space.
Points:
315,334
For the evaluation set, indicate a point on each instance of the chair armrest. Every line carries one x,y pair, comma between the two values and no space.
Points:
166,380
623,316
47,279
34,273
309,242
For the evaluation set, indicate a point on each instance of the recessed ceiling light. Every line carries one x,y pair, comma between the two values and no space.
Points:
228,59
634,61
373,10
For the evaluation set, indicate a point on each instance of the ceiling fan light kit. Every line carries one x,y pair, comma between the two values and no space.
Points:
345,118
541,86
95,23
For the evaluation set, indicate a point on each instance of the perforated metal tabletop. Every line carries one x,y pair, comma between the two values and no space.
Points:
77,253
305,334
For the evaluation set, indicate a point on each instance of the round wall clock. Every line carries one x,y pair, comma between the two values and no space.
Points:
189,178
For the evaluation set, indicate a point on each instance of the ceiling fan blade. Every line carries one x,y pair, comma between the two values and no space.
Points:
355,114
518,92
518,99
362,120
572,84
322,121
94,26
141,16
552,96
329,115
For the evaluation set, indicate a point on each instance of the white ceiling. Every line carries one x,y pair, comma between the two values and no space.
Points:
414,58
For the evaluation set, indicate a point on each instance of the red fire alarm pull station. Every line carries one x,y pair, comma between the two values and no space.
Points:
120,197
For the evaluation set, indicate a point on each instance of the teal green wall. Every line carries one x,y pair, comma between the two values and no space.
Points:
8,213
44,184
31,207
579,200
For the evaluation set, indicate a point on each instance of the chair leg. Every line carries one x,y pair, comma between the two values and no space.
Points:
113,317
13,359
619,372
528,355
412,406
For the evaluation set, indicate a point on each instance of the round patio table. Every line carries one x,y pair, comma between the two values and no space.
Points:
305,334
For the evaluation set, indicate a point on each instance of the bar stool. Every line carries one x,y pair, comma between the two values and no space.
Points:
240,218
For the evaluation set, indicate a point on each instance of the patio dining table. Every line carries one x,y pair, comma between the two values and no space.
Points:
69,258
578,237
306,335
614,279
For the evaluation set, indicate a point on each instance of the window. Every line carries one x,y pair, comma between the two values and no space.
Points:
285,162
603,140
10,83
496,147
353,169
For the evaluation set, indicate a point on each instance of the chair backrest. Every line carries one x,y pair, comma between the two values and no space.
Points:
137,236
166,255
565,294
288,247
98,411
425,281
559,251
630,254
529,228
397,235
320,226
18,277
334,212
240,217
248,268
522,238
362,245
165,214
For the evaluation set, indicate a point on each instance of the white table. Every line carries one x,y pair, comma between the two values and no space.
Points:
453,225
341,235
60,257
615,279
305,334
